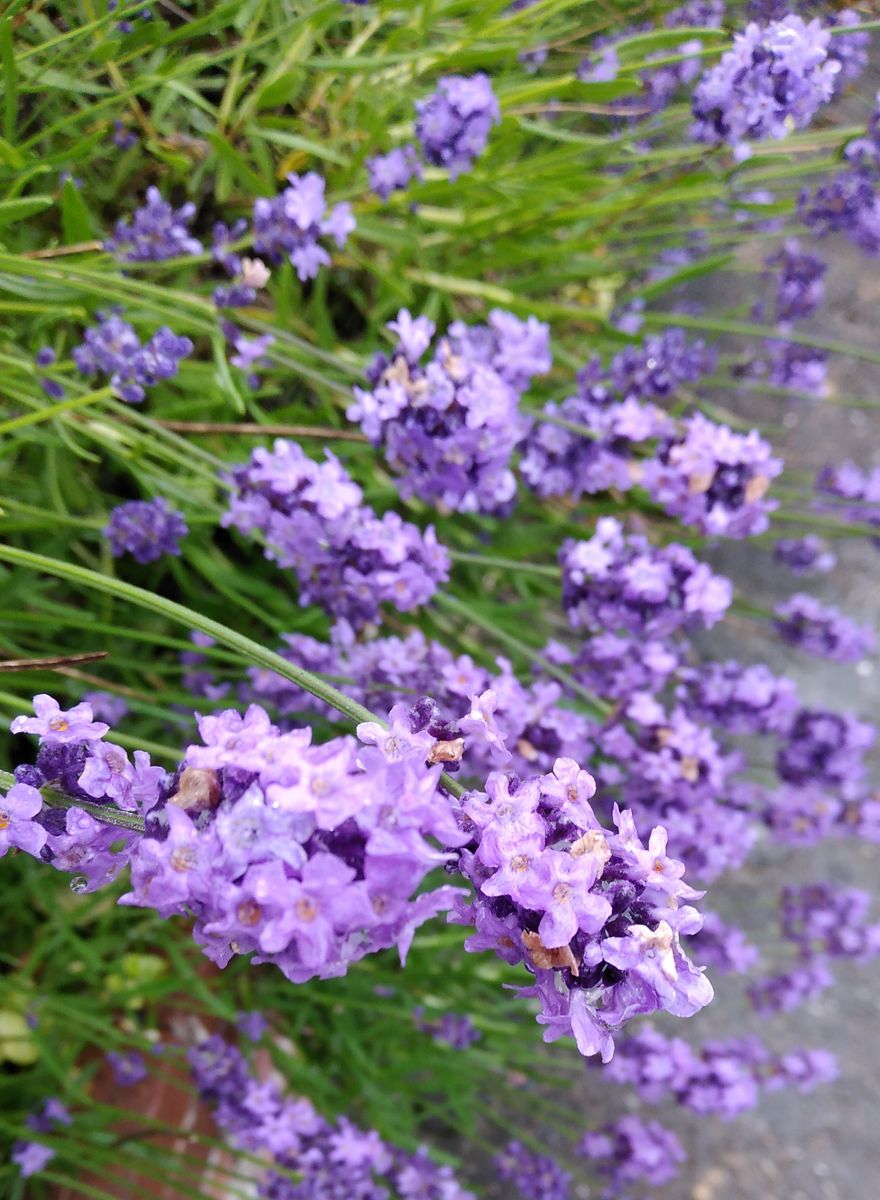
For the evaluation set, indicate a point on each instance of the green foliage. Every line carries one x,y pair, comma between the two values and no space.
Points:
559,218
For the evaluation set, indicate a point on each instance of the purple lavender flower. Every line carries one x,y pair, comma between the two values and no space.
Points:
146,529
826,749
128,1067
105,704
53,725
800,368
18,829
31,1157
714,478
803,555
845,203
789,990
616,410
108,775
449,427
803,816
45,357
724,1078
456,1030
591,913
293,223
113,348
123,137
799,279
631,1150
307,856
383,671
820,630
454,122
155,232
824,919
394,171
849,49
328,1158
535,1176
739,699
252,1025
774,80
613,582
346,558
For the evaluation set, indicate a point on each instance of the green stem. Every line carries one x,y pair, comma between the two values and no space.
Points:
55,799
506,564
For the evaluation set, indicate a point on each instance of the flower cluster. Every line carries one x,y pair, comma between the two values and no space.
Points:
615,667
714,478
394,171
739,699
449,427
803,555
317,1157
346,558
293,223
535,1176
659,84
32,1157
824,748
668,768
823,919
858,490
454,122
799,279
74,759
113,348
790,989
145,529
615,582
820,630
724,1078
847,202
306,856
383,671
630,1151
586,444
595,916
797,367
825,922
773,80
155,232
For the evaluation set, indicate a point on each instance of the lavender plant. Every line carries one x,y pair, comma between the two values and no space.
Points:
385,683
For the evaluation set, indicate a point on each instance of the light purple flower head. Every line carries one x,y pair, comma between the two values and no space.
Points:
454,122
52,724
821,630
773,80
448,427
113,348
145,529
156,231
615,583
714,479
347,559
296,223
394,171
